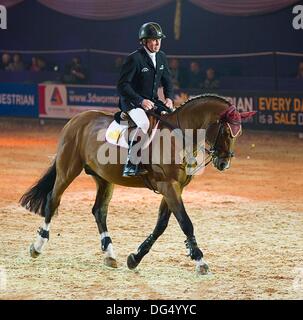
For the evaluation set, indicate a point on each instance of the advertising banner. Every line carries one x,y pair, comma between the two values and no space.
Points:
18,100
275,111
64,101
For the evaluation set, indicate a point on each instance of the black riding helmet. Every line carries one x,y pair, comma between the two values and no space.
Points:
151,30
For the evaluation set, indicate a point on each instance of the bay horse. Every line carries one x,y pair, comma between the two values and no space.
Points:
77,150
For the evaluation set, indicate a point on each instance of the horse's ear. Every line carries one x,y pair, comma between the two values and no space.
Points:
245,115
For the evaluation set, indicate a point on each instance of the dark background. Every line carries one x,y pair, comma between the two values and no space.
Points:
36,27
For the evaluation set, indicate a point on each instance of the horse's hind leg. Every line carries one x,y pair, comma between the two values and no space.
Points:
163,217
67,169
100,209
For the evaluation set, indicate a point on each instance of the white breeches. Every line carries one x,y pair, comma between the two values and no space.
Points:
140,118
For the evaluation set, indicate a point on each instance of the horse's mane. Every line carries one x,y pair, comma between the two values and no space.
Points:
206,96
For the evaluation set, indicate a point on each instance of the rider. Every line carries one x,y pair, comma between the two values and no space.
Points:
141,75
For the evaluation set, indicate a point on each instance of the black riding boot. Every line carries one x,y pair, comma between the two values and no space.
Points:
131,169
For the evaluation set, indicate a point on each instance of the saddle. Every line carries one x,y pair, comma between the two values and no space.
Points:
123,116
119,130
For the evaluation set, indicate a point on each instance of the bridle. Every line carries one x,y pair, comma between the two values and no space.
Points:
213,152
227,119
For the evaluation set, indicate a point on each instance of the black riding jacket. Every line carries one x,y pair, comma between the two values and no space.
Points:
140,80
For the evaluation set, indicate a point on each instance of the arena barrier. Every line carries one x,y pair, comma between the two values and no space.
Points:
19,100
276,111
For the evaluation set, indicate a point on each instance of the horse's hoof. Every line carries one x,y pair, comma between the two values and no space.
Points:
110,262
34,254
131,262
203,269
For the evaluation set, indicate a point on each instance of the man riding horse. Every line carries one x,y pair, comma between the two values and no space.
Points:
141,76
80,144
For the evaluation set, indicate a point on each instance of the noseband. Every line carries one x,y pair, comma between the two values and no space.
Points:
214,150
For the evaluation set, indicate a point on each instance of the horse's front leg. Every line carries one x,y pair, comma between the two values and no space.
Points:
164,214
172,195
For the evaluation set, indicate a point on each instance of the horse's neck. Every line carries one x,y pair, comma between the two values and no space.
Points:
199,114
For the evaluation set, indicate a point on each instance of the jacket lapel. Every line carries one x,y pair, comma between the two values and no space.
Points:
158,62
147,58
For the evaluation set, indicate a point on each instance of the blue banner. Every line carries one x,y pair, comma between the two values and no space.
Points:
18,100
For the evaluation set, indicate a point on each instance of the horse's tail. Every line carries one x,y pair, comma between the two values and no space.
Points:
35,198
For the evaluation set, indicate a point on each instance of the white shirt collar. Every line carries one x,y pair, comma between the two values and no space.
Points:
152,55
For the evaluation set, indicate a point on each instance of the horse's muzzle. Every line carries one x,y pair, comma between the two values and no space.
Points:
221,163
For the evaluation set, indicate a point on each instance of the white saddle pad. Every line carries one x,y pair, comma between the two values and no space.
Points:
117,134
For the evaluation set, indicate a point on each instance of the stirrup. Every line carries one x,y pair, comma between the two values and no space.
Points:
131,170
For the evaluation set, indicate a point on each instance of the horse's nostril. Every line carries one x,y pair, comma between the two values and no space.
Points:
222,166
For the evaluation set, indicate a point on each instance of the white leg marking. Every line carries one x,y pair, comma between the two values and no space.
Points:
46,226
201,263
41,242
110,251
104,235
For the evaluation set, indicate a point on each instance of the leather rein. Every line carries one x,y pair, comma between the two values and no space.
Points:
213,150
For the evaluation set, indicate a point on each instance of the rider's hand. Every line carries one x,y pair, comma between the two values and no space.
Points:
169,103
147,104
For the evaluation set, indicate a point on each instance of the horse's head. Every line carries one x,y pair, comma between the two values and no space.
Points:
222,135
